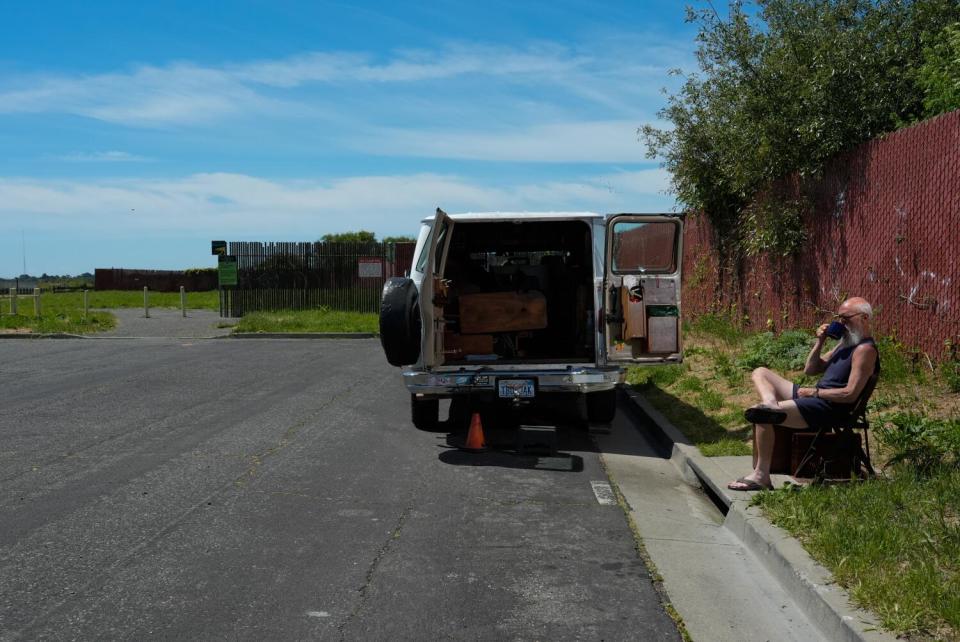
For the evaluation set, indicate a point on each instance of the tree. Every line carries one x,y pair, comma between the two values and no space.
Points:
780,91
939,76
399,239
350,237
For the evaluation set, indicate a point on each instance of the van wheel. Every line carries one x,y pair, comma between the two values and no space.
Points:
425,413
400,321
601,406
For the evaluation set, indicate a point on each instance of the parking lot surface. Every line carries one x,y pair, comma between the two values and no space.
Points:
275,489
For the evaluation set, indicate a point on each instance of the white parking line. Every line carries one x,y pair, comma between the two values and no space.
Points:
604,493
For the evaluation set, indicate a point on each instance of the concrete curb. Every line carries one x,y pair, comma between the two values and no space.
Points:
810,584
302,335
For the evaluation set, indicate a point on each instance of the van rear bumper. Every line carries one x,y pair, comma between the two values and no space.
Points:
580,379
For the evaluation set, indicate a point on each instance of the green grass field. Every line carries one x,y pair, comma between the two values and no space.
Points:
63,311
322,320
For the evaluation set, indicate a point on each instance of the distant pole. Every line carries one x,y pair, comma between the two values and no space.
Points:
86,304
13,300
183,302
36,302
146,303
23,250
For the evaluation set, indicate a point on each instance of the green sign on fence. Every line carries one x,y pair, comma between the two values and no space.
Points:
227,270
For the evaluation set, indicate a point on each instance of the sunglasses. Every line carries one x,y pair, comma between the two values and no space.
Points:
847,317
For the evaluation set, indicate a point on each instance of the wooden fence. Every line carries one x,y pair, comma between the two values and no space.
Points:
304,276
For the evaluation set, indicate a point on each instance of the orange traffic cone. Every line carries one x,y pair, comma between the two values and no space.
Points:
475,440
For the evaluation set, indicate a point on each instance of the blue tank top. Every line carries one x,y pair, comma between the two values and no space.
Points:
837,373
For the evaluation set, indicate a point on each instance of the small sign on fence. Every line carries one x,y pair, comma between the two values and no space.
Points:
218,248
227,270
370,267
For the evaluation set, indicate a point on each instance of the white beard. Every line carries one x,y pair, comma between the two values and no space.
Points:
850,338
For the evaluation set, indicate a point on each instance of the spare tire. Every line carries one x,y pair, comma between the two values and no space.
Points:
400,321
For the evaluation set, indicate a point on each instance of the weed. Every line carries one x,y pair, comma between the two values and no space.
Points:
693,351
923,444
719,327
710,400
689,383
724,368
950,371
898,362
787,351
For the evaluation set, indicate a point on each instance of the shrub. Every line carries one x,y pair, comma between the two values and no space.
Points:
719,327
950,370
725,368
897,361
923,444
788,351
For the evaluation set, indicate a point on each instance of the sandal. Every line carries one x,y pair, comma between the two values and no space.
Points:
748,484
764,415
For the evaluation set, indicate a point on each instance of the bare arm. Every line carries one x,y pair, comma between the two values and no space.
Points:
815,363
864,362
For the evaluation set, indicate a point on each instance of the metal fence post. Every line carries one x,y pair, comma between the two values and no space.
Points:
146,303
36,302
14,296
86,304
183,302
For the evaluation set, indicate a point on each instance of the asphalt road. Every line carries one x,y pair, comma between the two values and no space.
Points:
275,489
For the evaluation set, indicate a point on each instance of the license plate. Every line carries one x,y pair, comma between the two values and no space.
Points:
511,388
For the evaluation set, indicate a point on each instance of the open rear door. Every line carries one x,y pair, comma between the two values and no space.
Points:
433,291
642,288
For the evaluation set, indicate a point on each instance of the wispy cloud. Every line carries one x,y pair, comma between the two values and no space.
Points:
112,156
600,141
185,93
248,206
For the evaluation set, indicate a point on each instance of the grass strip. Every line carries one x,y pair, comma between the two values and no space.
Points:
63,311
894,544
321,320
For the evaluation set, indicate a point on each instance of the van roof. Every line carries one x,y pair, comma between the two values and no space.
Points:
530,216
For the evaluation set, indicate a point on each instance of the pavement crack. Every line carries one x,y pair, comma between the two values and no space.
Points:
257,459
372,571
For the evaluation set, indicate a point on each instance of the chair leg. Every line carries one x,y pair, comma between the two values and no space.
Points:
811,450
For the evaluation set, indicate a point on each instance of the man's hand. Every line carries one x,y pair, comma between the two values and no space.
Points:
806,392
821,333
814,364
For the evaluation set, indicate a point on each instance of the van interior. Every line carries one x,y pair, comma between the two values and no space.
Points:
518,291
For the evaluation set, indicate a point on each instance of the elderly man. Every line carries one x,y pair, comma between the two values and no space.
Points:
845,369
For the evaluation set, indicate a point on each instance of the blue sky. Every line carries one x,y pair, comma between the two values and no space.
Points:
131,134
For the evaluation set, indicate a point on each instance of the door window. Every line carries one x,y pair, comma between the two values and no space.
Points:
646,247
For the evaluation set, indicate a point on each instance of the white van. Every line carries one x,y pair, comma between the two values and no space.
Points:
524,307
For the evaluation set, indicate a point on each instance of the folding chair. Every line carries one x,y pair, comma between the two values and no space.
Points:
846,444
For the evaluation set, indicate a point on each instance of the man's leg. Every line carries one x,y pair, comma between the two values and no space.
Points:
771,387
764,445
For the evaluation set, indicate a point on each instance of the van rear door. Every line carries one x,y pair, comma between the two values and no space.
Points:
641,298
433,290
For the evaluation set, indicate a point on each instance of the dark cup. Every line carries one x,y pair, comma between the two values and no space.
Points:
835,330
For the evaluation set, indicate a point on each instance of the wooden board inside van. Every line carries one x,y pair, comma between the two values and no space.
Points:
502,312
